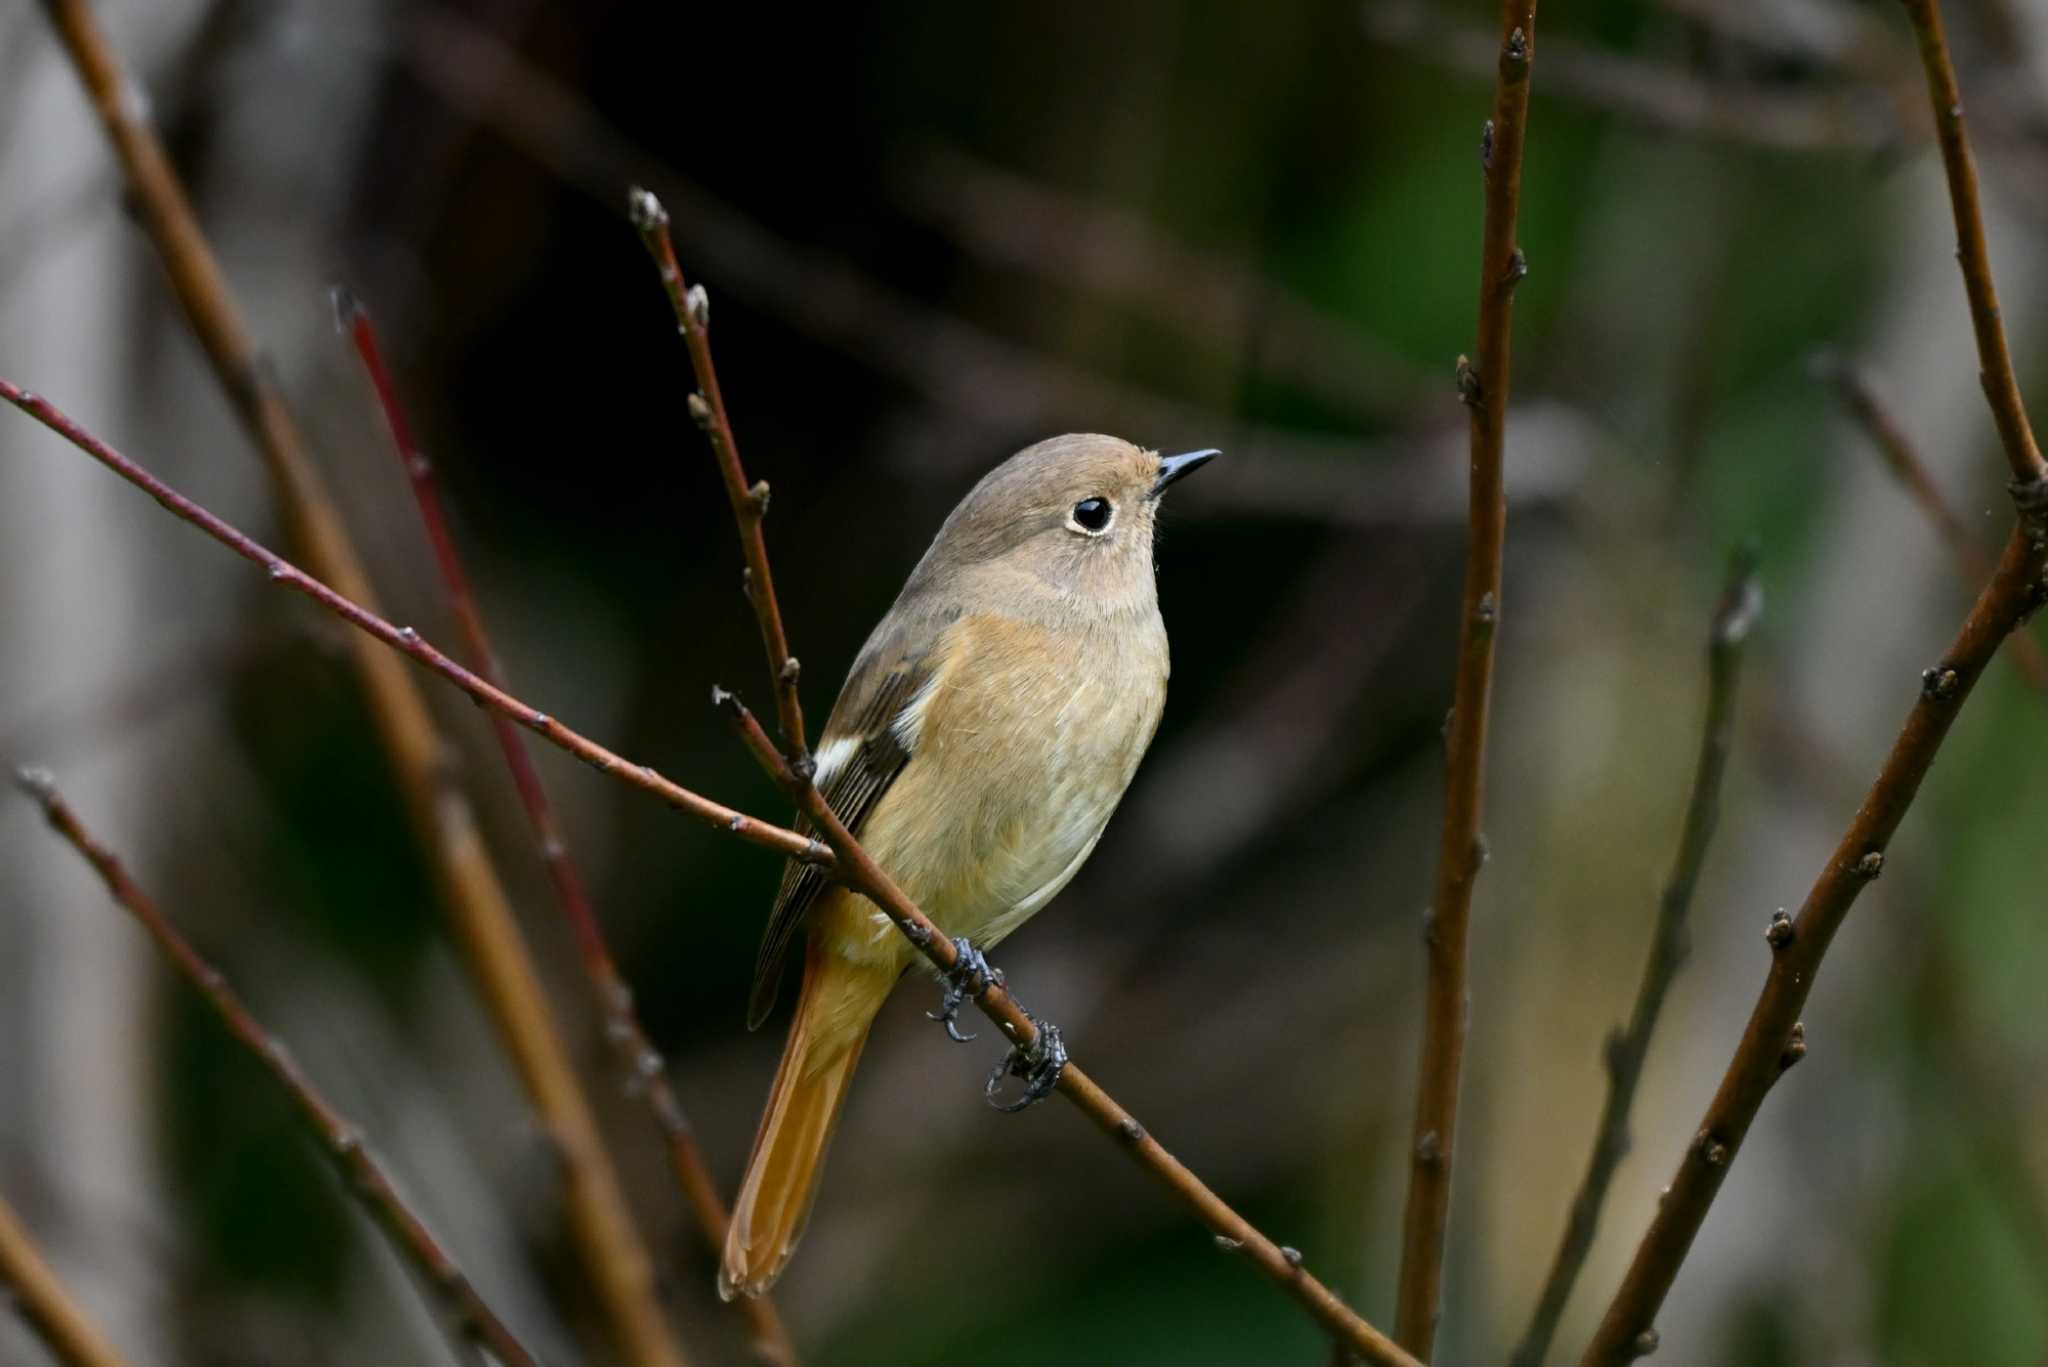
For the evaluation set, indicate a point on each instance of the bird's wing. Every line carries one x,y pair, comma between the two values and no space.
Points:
866,744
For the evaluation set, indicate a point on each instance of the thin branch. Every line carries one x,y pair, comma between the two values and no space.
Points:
2001,386
843,854
599,1223
1462,849
1774,1038
609,989
31,1284
749,501
1741,604
442,1282
409,642
1902,458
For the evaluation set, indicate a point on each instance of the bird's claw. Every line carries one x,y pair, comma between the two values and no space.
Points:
1040,1065
970,976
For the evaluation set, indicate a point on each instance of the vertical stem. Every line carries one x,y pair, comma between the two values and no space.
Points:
609,989
1741,603
1485,387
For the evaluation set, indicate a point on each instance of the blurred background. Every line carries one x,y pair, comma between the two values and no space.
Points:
931,234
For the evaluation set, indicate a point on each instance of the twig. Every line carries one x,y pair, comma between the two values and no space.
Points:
1774,1039
599,1223
1741,604
843,854
749,501
28,1280
1463,848
408,641
2001,386
644,1064
1903,460
448,1290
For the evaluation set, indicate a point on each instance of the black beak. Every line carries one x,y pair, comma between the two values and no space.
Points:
1172,468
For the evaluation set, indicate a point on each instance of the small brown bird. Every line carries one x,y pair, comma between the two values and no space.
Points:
984,736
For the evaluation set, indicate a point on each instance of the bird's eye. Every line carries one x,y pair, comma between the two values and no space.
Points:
1092,515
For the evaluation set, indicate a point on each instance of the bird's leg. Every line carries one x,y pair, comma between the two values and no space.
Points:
970,975
1040,1065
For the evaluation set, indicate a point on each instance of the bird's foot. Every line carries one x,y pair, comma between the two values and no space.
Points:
1040,1065
970,976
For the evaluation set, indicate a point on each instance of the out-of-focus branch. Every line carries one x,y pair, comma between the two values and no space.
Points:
32,1285
1774,1039
749,501
609,989
1902,458
1069,242
2001,386
598,1219
839,851
1462,850
448,1291
1741,604
1655,95
992,388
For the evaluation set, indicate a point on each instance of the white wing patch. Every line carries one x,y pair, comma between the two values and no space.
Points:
832,757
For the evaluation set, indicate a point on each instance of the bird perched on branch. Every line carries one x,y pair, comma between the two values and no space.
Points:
986,733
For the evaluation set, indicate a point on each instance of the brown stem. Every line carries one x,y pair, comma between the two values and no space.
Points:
448,1290
613,996
692,307
843,854
1903,460
1741,603
599,1222
1462,849
2001,386
1774,1039
30,1283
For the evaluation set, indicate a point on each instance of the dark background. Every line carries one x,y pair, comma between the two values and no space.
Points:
932,234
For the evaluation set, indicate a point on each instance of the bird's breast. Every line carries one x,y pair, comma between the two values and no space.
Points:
1025,746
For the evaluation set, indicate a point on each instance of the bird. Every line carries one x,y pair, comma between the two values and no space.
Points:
981,742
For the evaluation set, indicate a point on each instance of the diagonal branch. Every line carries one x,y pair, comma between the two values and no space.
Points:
749,501
843,854
599,1223
29,1282
609,989
1774,1039
1972,565
1741,604
1462,848
447,1290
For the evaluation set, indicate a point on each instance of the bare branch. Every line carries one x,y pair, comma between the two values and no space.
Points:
1485,388
1902,458
448,1291
30,1283
842,853
608,988
599,1223
692,307
1741,603
1774,1038
2001,386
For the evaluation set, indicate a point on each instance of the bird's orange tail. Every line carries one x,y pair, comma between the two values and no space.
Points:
839,1002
